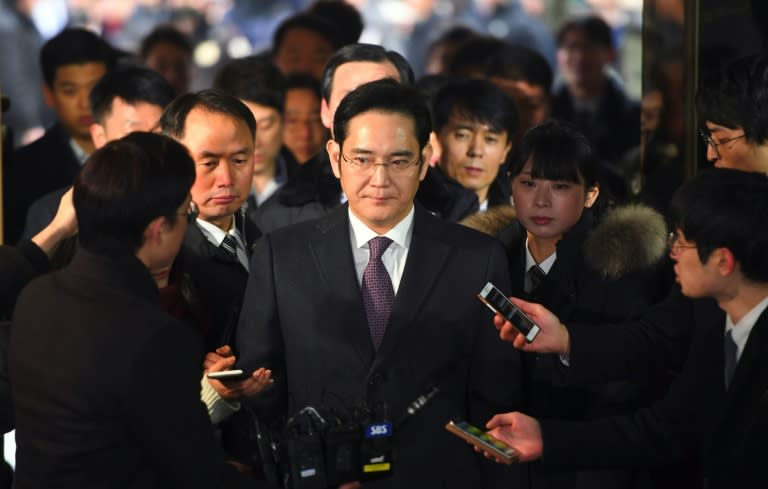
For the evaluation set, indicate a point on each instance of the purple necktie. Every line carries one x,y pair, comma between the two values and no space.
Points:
378,294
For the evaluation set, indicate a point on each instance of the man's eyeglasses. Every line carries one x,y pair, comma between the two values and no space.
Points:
673,241
366,165
707,138
191,213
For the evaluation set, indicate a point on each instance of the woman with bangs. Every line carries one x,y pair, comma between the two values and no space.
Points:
584,265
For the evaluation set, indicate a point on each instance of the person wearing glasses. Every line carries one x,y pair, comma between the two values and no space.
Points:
732,108
375,303
88,342
716,411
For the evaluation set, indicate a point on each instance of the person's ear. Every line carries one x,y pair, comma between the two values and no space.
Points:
725,261
154,232
98,135
48,95
325,115
334,154
426,157
592,194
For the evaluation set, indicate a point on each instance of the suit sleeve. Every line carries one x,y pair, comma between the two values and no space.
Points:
638,350
259,340
166,415
18,266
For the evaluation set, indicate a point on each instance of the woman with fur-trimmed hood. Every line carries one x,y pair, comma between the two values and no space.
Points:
581,268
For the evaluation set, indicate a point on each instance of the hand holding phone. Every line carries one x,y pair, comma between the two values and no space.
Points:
235,374
498,303
476,437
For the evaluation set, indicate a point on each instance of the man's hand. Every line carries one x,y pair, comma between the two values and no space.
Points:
520,432
63,226
234,390
553,337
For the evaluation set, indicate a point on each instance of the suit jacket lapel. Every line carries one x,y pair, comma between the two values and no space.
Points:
332,253
426,258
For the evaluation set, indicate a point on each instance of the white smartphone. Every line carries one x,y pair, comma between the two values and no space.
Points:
498,303
235,374
482,440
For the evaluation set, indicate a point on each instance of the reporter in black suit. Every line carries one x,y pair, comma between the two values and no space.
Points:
716,409
307,318
89,341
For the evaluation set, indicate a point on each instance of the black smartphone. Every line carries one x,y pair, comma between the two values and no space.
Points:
482,440
235,374
498,303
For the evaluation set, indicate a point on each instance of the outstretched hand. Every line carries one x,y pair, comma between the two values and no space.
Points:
552,338
520,432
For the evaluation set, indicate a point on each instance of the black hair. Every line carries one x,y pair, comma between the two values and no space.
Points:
724,208
126,184
737,97
429,86
594,28
165,34
557,152
519,63
451,39
364,52
478,100
386,96
310,22
254,79
472,55
132,84
346,19
173,121
303,81
74,46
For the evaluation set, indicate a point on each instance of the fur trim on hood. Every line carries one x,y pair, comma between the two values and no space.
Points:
626,239
492,221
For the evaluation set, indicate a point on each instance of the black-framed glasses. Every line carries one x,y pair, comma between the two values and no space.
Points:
673,241
707,138
191,213
366,164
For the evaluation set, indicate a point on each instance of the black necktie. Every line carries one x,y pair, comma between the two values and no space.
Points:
730,349
229,245
378,293
533,277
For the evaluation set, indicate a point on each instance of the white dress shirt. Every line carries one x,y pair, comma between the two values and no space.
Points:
215,235
545,265
394,256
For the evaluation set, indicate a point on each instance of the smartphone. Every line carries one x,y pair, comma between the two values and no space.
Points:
235,374
482,440
498,303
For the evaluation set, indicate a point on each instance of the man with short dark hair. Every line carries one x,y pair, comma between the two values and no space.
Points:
475,122
303,44
88,340
219,132
122,101
374,304
256,82
72,63
716,410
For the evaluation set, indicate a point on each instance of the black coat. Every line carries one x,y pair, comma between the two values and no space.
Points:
218,278
107,385
726,431
304,318
46,165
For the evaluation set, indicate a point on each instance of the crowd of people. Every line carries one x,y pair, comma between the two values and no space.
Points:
323,221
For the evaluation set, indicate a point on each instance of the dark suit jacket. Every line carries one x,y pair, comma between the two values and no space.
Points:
304,318
107,385
217,278
43,166
726,430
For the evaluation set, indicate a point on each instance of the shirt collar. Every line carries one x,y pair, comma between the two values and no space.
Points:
545,265
215,234
743,328
80,153
400,234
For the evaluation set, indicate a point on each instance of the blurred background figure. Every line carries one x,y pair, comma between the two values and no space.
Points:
169,52
304,134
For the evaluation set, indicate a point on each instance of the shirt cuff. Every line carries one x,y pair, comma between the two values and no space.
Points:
218,408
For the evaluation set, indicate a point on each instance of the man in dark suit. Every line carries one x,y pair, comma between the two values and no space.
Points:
716,409
219,132
72,63
375,303
89,341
